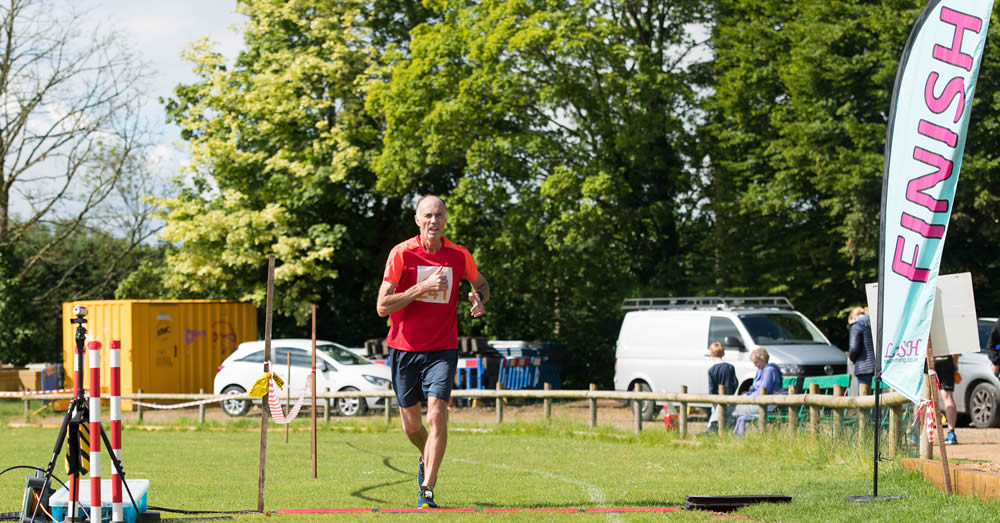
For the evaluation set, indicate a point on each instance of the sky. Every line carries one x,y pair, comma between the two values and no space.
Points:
159,30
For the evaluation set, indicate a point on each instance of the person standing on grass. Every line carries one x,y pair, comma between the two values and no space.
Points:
720,373
862,346
419,293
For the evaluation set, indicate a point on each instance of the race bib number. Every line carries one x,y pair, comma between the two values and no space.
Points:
424,272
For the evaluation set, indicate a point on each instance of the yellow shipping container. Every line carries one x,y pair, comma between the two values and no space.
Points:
170,346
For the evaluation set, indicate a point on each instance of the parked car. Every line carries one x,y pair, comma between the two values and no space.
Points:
337,369
663,343
978,395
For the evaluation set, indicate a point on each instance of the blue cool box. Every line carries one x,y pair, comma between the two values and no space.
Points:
60,500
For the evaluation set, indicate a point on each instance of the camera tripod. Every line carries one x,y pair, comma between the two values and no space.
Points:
77,414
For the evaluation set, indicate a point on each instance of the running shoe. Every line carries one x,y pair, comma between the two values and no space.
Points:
426,498
420,472
950,439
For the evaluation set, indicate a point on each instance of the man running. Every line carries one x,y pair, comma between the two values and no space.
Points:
419,293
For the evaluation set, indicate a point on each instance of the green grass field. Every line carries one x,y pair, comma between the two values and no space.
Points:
560,465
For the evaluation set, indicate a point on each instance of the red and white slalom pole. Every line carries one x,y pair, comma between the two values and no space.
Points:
116,430
94,352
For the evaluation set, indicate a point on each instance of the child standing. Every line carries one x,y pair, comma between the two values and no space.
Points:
721,373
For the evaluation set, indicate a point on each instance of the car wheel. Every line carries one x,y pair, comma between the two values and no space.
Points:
351,406
983,406
647,408
235,407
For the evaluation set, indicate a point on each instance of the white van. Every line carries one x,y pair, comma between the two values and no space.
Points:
663,342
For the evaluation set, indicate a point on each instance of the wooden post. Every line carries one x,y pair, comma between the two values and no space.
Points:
938,433
388,406
793,413
813,412
499,403
894,430
288,391
593,407
547,402
838,415
762,411
864,415
723,415
637,411
201,409
268,309
326,408
138,408
684,414
312,409
926,448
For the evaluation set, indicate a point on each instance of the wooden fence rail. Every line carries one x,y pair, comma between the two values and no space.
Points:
893,402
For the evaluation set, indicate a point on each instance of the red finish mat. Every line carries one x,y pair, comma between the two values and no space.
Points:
608,510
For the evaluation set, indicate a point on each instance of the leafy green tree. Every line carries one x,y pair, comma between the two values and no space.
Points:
74,162
281,148
795,134
554,128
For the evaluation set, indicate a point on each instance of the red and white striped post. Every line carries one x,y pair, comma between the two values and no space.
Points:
94,352
117,514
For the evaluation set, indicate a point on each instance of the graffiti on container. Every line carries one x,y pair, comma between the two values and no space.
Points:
190,335
224,336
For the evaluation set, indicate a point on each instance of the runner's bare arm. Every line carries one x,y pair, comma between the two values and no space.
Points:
480,293
390,301
481,286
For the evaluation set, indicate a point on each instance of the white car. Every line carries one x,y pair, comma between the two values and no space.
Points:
337,369
978,395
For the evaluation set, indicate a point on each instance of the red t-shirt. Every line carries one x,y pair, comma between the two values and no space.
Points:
429,322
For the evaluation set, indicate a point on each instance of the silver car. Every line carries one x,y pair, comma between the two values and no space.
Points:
978,395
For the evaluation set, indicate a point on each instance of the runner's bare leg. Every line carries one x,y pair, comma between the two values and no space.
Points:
413,427
437,438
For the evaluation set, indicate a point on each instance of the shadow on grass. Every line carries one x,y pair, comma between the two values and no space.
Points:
386,462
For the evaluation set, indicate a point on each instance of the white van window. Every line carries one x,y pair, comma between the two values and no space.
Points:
721,327
780,329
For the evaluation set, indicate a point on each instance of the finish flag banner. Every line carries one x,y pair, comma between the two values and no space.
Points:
926,135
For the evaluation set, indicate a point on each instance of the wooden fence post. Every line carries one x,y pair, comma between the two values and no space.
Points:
547,402
894,432
138,408
813,412
326,407
388,405
593,407
838,415
864,389
637,411
499,403
684,414
793,413
926,448
723,415
762,412
201,409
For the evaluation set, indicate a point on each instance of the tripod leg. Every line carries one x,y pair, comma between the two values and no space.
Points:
60,439
117,464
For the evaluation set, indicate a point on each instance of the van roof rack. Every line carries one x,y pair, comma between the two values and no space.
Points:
724,303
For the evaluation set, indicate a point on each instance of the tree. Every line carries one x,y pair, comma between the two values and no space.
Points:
555,128
281,147
795,136
71,152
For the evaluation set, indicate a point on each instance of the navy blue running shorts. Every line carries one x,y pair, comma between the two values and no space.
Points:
418,375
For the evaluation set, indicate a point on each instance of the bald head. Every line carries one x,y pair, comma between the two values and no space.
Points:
431,217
